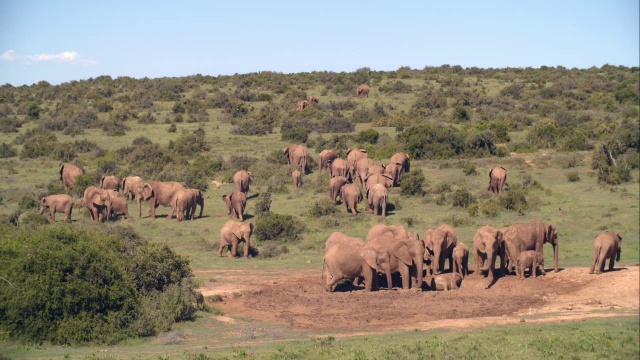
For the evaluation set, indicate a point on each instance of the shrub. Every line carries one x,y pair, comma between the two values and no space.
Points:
362,115
190,145
295,130
468,168
172,128
277,227
269,250
322,207
147,118
573,176
412,184
41,143
428,141
335,124
543,135
28,202
70,286
490,208
515,199
263,205
460,114
463,198
473,209
368,136
9,125
7,151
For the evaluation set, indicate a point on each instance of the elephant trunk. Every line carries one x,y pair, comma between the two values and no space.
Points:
420,269
435,262
491,259
555,257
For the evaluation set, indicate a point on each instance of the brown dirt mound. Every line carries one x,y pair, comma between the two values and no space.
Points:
300,301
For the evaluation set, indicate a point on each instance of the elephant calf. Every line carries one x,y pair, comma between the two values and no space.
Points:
608,245
446,282
119,205
529,259
348,258
461,259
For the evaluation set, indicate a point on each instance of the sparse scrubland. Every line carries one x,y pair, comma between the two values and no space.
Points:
568,138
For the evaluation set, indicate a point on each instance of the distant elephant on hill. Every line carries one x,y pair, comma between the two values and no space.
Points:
61,203
68,174
608,245
302,104
325,158
497,179
110,183
296,178
313,99
297,155
241,180
362,90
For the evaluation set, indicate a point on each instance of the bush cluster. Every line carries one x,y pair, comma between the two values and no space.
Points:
278,227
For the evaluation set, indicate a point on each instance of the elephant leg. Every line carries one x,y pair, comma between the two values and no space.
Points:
451,263
594,260
534,270
222,245
612,260
406,276
368,279
234,250
246,250
456,267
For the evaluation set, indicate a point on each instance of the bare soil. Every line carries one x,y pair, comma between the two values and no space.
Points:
300,301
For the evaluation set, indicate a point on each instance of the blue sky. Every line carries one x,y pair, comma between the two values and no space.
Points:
59,41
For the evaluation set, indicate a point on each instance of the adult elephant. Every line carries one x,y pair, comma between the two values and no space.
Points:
60,203
362,169
160,193
335,184
497,179
110,182
382,179
236,203
313,99
362,90
339,167
348,257
233,233
325,158
394,170
241,180
402,159
301,105
377,197
440,244
130,185
186,201
95,199
488,243
297,155
350,196
608,245
406,253
353,155
529,236
68,175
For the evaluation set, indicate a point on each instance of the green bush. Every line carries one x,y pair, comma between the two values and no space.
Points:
572,176
39,143
515,199
490,208
323,207
28,202
7,151
263,205
335,124
413,184
368,136
295,130
468,168
69,286
463,198
277,227
428,141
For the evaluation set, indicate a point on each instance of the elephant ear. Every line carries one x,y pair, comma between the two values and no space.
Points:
102,180
619,236
252,227
147,191
369,256
499,236
401,251
549,230
98,199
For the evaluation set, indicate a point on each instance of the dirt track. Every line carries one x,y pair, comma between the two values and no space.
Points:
301,302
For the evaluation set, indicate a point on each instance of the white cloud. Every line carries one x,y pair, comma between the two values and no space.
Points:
65,57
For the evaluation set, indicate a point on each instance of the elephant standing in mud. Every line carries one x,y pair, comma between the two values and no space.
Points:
440,244
61,203
406,253
233,233
497,180
608,245
362,90
529,259
488,245
348,257
68,174
461,259
325,158
529,236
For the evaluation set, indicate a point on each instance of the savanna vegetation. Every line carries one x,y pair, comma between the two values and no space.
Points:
569,139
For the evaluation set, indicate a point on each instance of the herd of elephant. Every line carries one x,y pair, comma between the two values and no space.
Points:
362,90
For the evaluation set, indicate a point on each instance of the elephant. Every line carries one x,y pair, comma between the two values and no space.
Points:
109,182
353,155
497,179
313,99
160,193
68,175
297,155
394,170
186,201
402,159
234,232
241,180
119,205
61,203
362,169
335,184
302,104
529,236
406,253
440,244
608,245
339,167
325,158
362,90
445,282
382,179
350,196
129,186
296,177
529,259
461,259
95,199
348,257
488,243
377,198
236,203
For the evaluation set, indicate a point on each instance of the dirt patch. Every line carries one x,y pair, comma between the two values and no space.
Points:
300,301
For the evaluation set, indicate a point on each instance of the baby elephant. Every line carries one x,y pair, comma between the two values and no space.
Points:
461,259
529,259
608,245
446,282
119,205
